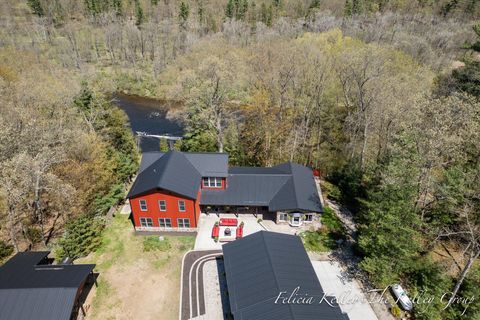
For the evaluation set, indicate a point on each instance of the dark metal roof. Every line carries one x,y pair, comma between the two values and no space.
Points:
260,266
172,172
245,190
209,164
286,187
30,289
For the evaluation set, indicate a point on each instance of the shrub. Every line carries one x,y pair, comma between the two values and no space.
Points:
5,250
331,191
33,234
318,241
153,243
82,236
396,312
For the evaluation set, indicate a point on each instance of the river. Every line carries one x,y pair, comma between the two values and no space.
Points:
149,116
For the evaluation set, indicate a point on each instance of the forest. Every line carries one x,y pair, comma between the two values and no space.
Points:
381,96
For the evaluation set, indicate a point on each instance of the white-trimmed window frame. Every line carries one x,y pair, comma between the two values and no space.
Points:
162,203
212,182
280,215
143,205
146,222
181,203
181,223
165,224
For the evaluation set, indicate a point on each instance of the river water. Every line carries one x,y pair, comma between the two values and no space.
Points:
149,116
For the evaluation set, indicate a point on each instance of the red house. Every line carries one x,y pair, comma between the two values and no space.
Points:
173,188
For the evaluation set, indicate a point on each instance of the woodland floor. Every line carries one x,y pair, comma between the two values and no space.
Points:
133,284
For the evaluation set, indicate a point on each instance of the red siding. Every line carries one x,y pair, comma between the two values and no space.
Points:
192,209
224,185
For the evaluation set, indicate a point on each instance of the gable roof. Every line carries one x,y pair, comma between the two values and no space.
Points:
173,172
286,187
31,289
260,266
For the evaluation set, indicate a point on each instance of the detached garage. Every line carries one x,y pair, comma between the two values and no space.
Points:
33,289
264,269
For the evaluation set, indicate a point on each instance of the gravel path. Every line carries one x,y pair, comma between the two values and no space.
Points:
346,257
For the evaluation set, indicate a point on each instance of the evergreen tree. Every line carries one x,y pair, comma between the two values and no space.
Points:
229,9
36,7
348,9
117,6
139,18
183,14
266,14
201,13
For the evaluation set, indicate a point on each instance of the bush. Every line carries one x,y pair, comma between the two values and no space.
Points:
331,221
396,312
5,250
33,234
153,243
82,236
331,191
318,241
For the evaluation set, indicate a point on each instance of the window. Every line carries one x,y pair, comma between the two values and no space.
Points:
181,205
212,182
282,217
308,217
183,223
146,222
162,204
143,205
165,222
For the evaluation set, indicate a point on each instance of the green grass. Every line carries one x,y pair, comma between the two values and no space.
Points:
318,241
153,243
324,239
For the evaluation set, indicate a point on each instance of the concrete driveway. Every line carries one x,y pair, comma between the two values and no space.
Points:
204,239
350,297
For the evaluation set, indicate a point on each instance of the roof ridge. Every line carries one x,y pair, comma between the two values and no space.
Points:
269,257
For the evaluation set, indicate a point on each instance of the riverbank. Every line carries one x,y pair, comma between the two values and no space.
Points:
150,116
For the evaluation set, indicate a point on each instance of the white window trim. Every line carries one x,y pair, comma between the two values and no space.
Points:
146,219
280,217
183,223
212,182
184,206
141,207
160,206
165,222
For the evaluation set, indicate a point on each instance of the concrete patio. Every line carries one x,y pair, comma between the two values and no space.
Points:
204,240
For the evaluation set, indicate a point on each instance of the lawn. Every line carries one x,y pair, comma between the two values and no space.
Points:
324,239
139,277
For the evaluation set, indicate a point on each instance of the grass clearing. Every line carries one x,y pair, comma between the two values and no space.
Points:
139,276
324,238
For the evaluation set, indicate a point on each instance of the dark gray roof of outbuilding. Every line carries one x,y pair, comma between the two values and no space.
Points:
260,266
172,172
32,290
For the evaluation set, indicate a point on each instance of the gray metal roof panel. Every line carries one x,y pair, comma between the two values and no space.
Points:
30,289
209,164
172,172
245,190
39,304
263,264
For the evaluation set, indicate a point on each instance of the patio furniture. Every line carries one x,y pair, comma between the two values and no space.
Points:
215,231
239,232
228,231
228,222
